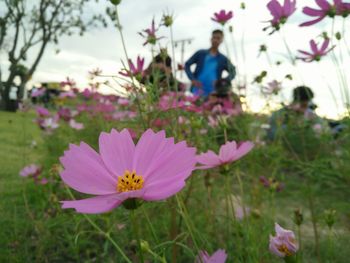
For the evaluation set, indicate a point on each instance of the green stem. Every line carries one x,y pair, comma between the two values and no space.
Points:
150,224
184,214
107,235
137,234
314,225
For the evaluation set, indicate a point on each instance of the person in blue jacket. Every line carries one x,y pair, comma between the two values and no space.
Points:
210,65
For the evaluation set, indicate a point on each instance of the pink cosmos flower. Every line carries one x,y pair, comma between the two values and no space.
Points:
155,169
229,152
76,125
326,9
284,243
42,112
222,17
280,13
150,35
135,71
316,53
49,124
219,256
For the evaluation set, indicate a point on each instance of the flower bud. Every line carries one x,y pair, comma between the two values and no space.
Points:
115,2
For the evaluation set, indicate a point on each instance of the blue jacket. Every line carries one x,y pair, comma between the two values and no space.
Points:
199,57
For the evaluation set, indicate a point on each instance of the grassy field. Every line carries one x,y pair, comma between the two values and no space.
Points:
35,229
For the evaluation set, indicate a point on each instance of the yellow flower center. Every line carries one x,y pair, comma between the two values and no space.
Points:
130,181
283,248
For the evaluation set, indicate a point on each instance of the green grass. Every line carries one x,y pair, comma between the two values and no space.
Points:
35,229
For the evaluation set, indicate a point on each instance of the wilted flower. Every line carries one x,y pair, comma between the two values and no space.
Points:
155,169
222,17
219,256
273,87
150,35
30,170
229,152
330,217
136,71
326,9
284,243
316,54
298,217
271,184
280,13
33,171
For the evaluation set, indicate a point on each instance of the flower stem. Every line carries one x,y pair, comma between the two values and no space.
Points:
106,234
184,214
135,227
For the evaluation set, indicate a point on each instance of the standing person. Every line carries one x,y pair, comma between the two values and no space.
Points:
210,65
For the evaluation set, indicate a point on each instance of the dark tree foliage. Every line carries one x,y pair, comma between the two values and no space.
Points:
29,26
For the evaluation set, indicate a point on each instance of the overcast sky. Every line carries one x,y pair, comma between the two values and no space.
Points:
102,47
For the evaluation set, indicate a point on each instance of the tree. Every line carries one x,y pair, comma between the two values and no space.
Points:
30,26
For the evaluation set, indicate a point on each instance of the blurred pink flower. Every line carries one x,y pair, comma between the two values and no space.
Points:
68,82
136,71
229,152
76,125
49,124
316,53
38,92
280,13
222,17
326,9
219,256
67,94
64,113
284,243
42,112
150,34
155,169
30,170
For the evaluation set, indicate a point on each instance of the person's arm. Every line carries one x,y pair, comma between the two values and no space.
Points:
192,60
231,69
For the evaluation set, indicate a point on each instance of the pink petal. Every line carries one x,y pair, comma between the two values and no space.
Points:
313,46
85,171
242,150
174,160
312,22
312,12
227,151
219,256
275,8
324,45
160,190
323,4
147,149
94,205
117,151
209,159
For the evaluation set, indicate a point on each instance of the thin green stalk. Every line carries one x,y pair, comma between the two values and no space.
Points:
314,225
127,59
100,231
135,227
184,214
150,224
